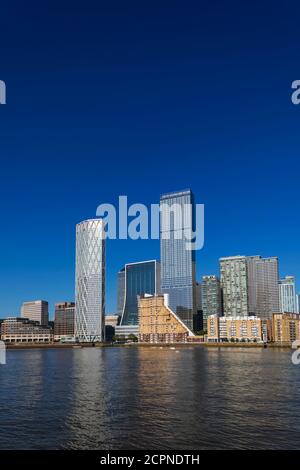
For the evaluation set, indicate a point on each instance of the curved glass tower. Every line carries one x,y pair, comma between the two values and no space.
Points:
140,278
90,281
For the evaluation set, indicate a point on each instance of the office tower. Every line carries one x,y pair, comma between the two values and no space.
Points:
90,281
64,320
287,295
234,286
121,291
140,278
177,261
298,303
211,298
267,293
158,323
36,310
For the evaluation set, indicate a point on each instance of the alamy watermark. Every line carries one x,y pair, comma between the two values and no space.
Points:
2,92
296,354
295,97
162,221
2,353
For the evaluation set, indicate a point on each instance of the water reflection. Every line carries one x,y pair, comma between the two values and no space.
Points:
117,398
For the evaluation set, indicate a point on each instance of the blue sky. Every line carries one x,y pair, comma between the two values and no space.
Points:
141,98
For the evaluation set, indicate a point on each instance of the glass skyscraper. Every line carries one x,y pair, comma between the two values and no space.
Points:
287,295
90,281
140,278
177,262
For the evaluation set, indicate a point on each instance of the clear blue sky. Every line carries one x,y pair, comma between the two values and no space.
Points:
139,98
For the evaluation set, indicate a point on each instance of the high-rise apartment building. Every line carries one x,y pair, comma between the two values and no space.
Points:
265,296
177,261
250,286
90,281
64,320
287,295
211,298
36,310
234,286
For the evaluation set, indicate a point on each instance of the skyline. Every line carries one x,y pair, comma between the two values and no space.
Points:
115,292
111,105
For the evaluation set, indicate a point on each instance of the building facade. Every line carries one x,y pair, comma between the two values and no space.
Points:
211,298
234,286
178,268
237,329
64,320
140,278
250,286
22,330
286,327
158,323
121,291
287,295
36,310
90,281
266,296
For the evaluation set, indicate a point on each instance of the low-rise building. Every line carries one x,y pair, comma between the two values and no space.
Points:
286,327
235,329
22,330
111,322
158,323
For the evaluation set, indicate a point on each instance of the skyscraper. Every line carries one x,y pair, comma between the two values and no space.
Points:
90,281
234,286
287,295
177,262
211,298
140,278
121,291
267,294
250,286
36,310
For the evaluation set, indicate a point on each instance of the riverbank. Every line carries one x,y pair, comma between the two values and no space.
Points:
142,345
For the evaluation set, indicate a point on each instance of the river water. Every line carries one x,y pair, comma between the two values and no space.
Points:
150,398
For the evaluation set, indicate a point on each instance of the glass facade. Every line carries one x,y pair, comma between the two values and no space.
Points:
177,262
211,298
121,291
90,281
140,278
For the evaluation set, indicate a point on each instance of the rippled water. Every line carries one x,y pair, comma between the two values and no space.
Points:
149,398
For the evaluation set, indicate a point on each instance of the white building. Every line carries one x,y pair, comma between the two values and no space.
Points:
36,310
90,281
287,295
